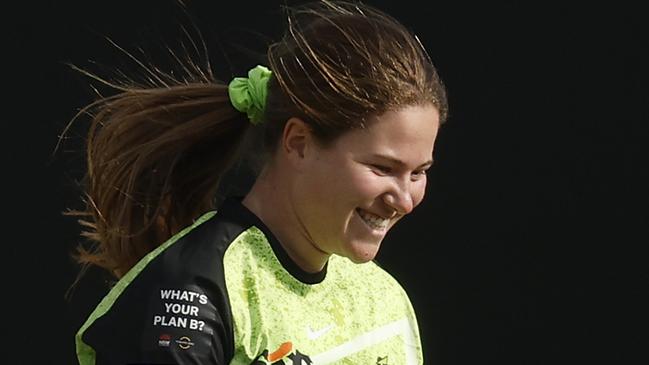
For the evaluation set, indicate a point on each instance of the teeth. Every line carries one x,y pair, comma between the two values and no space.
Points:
372,220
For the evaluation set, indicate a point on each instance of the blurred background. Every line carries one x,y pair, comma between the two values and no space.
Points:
531,245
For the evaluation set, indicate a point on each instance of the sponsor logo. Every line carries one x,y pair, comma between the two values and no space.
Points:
164,340
314,335
284,352
184,342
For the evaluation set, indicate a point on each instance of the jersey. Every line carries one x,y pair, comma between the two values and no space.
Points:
224,291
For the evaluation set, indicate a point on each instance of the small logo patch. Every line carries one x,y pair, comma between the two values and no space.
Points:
184,342
164,340
313,335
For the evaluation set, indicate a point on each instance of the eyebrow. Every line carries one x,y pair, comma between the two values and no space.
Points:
396,161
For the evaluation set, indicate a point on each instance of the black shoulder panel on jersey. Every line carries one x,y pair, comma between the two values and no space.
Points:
176,309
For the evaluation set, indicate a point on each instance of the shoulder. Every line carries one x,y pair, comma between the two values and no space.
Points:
373,294
187,260
369,273
176,291
369,280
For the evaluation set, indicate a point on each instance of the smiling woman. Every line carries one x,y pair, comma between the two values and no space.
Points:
349,108
345,196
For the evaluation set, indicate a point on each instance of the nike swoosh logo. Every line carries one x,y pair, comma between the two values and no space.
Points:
314,335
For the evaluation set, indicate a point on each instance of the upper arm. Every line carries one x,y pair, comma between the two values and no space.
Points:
165,322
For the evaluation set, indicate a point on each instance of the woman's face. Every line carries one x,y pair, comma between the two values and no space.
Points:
353,191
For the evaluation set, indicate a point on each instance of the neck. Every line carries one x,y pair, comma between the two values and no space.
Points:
270,200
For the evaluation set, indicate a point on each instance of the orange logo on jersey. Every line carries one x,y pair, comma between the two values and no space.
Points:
284,351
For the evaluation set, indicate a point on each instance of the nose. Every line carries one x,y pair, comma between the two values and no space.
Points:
399,197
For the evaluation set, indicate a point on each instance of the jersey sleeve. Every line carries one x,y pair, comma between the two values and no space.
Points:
169,323
171,308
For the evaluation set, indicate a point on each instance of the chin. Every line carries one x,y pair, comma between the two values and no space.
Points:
361,260
362,254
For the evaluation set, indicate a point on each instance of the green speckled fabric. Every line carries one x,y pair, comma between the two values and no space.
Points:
357,315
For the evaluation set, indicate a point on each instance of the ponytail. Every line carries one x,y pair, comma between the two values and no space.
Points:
155,157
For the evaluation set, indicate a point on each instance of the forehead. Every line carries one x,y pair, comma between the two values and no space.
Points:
409,131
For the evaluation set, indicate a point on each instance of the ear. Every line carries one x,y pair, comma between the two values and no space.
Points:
296,141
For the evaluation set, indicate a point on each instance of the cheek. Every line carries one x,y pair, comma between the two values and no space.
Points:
418,192
369,184
356,179
344,187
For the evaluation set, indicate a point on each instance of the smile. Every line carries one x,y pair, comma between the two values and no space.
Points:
372,220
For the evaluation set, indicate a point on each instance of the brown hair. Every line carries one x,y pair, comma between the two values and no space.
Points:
155,155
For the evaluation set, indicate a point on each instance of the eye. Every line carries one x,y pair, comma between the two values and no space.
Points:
381,170
418,174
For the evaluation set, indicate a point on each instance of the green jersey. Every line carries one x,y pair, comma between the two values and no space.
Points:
224,291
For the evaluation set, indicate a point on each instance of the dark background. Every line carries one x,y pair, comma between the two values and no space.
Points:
531,247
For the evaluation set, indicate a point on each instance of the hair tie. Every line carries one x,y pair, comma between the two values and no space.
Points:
248,94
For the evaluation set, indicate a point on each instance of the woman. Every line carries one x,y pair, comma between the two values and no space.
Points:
349,108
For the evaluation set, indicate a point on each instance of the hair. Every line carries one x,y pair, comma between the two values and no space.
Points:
156,153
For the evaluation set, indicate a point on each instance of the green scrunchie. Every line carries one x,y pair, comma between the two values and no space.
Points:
248,94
